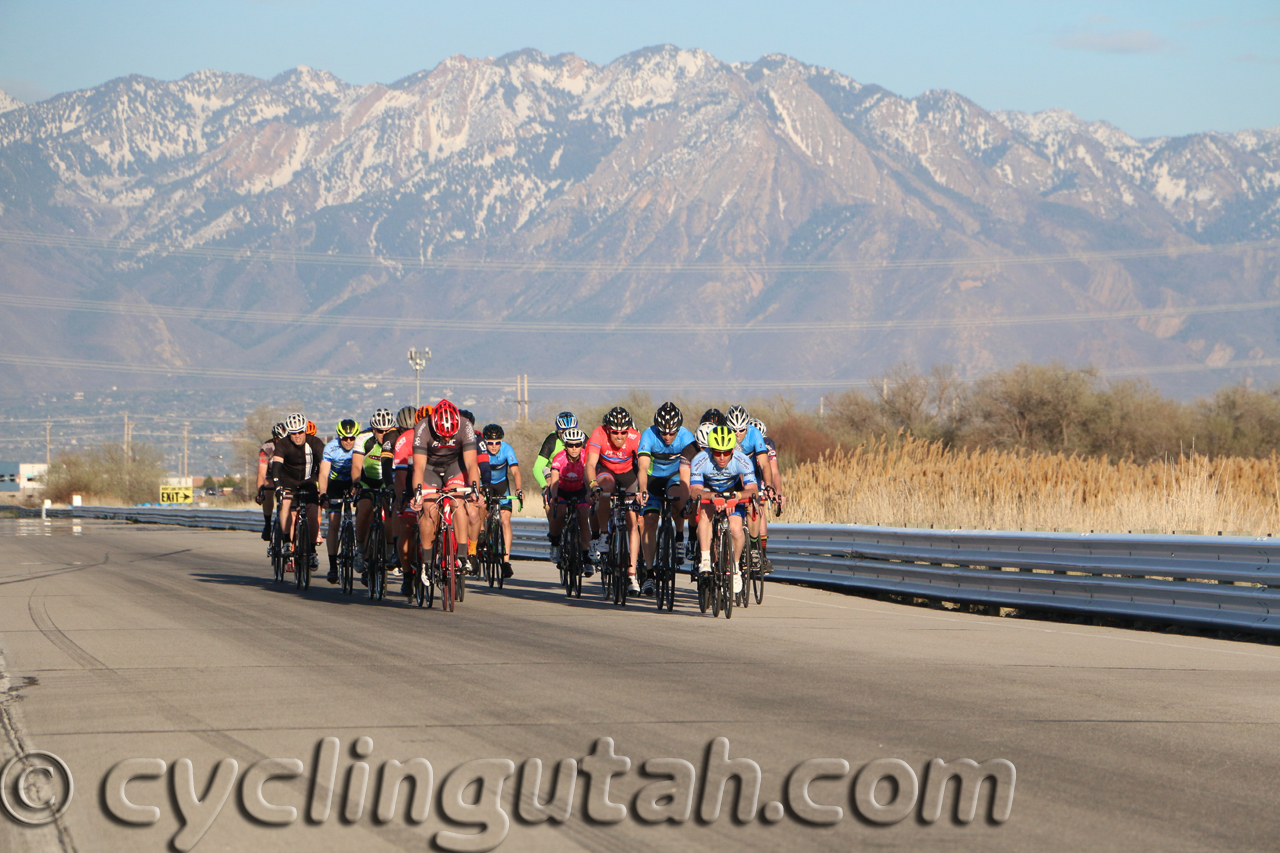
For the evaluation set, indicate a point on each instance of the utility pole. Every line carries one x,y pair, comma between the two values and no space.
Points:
418,360
47,424
185,428
522,397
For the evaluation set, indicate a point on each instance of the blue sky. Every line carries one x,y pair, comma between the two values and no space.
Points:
1151,68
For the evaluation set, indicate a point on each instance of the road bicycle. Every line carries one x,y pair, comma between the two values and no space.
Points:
304,538
278,549
717,585
663,571
347,544
491,547
617,559
570,565
376,548
440,559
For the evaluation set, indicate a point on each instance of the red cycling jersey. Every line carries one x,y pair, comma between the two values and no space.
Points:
618,460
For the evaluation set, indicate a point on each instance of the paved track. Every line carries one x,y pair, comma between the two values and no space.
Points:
125,641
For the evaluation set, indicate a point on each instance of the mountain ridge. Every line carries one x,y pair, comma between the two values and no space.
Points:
663,156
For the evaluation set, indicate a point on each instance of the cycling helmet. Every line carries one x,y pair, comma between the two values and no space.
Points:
347,428
712,416
566,421
737,419
759,424
445,419
493,432
422,414
668,418
573,437
295,423
466,413
721,439
278,432
704,430
404,418
382,419
311,427
618,418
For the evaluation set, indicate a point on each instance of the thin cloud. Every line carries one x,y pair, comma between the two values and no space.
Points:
1204,23
1256,59
1121,42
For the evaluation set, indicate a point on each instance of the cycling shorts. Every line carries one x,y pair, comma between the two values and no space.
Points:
578,498
303,490
368,488
627,481
658,487
443,478
503,488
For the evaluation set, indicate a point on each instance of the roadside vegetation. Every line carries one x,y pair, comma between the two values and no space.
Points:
106,474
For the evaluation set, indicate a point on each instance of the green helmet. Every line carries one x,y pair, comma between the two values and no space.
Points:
347,428
722,439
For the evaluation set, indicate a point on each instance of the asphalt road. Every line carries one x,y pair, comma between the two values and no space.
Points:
126,641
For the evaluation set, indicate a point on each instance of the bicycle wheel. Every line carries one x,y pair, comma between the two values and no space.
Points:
726,575
301,560
346,558
277,550
498,550
662,559
757,584
419,584
427,559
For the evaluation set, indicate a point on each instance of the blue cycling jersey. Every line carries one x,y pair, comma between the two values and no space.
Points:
499,463
737,474
752,443
665,458
339,461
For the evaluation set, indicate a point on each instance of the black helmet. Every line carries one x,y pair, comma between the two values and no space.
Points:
466,413
714,416
668,418
405,417
618,418
493,432
279,431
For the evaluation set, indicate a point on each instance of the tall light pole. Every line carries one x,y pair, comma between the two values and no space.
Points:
417,360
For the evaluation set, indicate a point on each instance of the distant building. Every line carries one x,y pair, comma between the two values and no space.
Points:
20,480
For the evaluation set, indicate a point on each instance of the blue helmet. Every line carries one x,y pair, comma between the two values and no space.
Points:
566,420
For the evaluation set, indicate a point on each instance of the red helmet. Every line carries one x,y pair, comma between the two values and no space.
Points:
445,419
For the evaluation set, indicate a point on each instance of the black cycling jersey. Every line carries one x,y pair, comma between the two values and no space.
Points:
301,461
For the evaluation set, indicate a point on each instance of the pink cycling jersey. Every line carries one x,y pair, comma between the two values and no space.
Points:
618,460
573,472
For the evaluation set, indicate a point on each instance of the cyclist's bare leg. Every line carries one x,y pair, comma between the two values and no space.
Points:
739,538
428,521
605,480
633,540
506,531
705,513
461,514
649,539
558,513
331,538
364,514
286,516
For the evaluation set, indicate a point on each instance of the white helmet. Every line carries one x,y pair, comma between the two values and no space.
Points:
704,431
382,419
573,436
759,424
737,418
295,423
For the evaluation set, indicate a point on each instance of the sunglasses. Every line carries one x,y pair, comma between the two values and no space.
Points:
347,438
618,431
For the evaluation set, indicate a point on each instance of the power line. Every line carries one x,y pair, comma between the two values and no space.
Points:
619,327
260,255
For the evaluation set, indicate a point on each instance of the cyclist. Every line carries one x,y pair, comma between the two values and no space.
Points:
551,445
335,479
504,472
751,444
406,518
613,444
444,458
295,464
718,469
661,448
567,492
266,495
401,438
775,480
371,468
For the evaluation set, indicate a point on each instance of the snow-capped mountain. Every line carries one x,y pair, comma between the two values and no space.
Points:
666,188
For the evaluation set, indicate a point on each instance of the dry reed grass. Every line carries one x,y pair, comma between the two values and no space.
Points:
911,483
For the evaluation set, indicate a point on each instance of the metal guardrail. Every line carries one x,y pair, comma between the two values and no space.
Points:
1210,581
